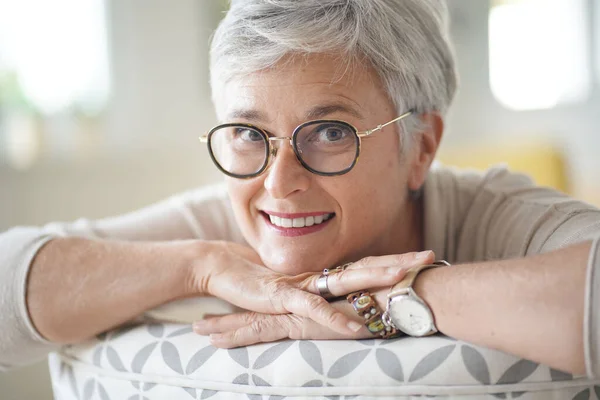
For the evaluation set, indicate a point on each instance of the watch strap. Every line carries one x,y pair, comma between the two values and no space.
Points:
410,277
365,305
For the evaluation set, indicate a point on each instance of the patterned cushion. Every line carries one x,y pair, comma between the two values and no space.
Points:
169,361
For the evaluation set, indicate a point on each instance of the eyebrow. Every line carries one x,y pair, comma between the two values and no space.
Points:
316,112
324,110
252,115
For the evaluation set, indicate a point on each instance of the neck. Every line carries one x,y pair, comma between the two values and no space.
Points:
407,235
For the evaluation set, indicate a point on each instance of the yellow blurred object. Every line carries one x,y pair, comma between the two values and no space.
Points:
545,163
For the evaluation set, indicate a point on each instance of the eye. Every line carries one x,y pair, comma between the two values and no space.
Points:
331,133
247,134
328,134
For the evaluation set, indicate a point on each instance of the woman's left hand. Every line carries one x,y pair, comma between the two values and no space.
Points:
246,328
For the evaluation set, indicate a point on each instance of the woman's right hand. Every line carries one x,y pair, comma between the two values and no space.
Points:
235,273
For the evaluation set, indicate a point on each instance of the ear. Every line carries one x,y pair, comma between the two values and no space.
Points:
425,147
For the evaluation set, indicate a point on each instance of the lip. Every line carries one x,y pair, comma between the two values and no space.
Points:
293,232
296,215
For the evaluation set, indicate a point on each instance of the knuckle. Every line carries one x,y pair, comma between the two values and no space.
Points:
315,302
320,306
365,262
249,317
341,275
403,258
308,283
277,287
255,329
331,319
260,329
234,337
296,329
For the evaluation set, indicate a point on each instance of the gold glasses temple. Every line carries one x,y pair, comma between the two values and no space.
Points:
204,138
379,127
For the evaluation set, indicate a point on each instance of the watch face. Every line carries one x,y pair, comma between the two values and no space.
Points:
411,316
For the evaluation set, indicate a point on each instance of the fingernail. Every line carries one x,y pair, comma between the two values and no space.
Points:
215,337
200,328
354,326
198,325
423,255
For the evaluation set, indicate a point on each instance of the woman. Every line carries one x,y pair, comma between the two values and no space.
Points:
377,76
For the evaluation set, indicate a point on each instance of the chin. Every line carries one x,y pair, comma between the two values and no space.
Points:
290,263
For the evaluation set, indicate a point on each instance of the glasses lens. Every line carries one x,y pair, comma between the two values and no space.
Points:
239,150
327,146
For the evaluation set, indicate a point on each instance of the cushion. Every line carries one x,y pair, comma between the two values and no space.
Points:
164,360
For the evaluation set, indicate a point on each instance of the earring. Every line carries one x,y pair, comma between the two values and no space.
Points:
414,195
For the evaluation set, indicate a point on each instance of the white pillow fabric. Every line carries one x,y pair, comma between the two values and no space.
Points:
169,361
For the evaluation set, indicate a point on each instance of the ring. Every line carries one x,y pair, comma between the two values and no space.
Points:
322,286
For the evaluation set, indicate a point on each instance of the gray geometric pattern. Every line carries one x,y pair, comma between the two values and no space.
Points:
160,360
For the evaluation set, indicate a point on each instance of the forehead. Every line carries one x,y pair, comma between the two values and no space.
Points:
295,84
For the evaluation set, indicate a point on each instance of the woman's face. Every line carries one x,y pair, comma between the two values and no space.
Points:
367,207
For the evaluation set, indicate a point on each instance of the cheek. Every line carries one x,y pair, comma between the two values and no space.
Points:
241,194
381,165
375,190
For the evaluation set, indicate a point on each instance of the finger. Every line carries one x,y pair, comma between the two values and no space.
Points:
209,316
224,323
269,329
277,327
370,272
349,281
405,260
316,308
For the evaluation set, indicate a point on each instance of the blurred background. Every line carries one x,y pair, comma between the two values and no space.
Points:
102,101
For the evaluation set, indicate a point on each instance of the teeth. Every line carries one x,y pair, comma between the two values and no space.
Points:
299,222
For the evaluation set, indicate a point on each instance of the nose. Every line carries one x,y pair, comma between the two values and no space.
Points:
285,175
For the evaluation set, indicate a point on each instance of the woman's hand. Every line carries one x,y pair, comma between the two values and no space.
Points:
247,328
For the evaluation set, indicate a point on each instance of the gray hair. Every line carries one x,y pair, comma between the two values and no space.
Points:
405,41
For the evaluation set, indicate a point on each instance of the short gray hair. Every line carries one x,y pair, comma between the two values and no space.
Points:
405,41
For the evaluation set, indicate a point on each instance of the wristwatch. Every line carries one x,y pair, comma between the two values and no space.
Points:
406,311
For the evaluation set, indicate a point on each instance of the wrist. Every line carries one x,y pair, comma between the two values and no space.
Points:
424,288
197,267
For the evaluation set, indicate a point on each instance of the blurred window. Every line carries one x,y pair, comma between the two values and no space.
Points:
597,37
53,67
539,52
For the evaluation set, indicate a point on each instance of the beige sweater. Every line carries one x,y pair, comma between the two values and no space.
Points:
468,217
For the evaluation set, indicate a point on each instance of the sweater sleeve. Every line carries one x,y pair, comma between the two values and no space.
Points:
501,215
200,214
20,343
591,322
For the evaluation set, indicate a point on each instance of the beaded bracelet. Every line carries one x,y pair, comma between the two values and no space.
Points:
364,304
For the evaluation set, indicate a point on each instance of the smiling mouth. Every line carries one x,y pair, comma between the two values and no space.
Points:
298,222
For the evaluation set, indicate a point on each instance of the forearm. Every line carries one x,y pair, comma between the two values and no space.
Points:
78,288
531,307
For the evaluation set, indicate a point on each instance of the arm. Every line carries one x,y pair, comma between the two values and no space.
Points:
530,304
532,307
102,284
176,218
80,284
78,287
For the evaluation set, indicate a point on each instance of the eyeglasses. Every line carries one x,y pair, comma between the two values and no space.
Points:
324,147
